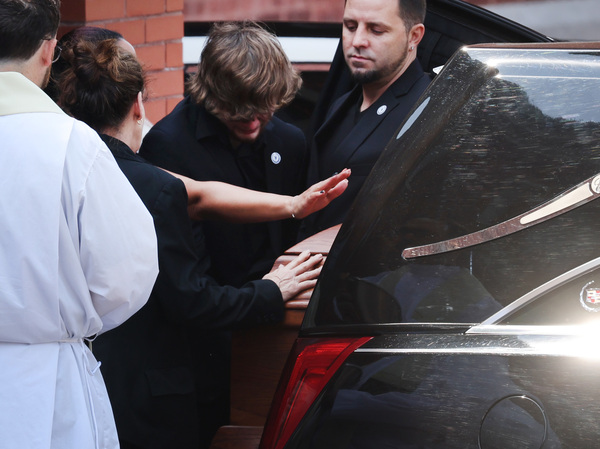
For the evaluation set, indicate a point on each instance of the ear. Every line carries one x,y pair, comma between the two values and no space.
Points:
47,51
139,113
415,35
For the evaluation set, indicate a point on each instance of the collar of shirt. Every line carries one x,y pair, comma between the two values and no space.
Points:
412,74
19,95
119,148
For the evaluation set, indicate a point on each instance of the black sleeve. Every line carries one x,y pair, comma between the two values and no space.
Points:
157,147
186,292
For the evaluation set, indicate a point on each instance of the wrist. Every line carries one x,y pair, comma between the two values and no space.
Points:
292,206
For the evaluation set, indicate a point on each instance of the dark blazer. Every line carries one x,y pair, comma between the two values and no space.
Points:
361,147
192,142
147,362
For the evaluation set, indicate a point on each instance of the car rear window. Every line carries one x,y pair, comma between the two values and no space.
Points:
443,230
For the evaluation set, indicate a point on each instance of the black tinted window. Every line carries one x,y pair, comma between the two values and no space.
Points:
573,303
497,134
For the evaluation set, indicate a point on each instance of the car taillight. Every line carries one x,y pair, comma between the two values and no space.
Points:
310,366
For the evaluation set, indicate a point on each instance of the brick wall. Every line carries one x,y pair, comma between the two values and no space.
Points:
267,10
286,10
154,28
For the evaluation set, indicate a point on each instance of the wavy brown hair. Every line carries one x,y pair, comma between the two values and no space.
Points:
243,71
100,83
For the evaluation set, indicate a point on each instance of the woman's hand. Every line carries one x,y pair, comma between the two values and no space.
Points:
214,200
319,195
298,275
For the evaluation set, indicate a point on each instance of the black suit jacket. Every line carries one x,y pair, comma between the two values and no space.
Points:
147,362
192,142
361,147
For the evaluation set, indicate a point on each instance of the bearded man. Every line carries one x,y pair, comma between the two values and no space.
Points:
379,40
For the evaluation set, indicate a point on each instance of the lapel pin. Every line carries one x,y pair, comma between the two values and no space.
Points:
275,157
381,109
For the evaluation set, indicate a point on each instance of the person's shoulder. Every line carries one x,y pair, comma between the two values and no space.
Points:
284,137
175,117
148,180
175,126
281,126
148,172
85,141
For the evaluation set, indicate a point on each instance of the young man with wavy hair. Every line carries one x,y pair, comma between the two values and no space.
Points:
224,130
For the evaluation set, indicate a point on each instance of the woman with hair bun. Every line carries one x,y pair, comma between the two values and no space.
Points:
147,362
206,199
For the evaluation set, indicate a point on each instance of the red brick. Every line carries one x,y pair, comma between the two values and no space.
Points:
72,11
155,109
175,5
104,9
172,102
313,10
152,56
165,27
165,83
64,29
195,12
133,31
145,7
174,55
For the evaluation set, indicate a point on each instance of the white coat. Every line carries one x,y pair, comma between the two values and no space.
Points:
78,256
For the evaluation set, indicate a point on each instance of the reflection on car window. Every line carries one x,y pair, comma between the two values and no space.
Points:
578,196
577,302
503,132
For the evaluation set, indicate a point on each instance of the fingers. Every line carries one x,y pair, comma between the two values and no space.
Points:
337,190
309,276
304,264
332,181
308,265
298,260
305,285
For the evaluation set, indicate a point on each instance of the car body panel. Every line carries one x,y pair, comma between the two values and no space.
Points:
500,132
489,341
458,391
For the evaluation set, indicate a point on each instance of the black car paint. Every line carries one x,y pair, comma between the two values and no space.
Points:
458,359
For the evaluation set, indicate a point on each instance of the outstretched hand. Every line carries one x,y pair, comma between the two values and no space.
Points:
319,195
298,275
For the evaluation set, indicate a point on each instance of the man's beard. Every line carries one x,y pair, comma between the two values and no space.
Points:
372,76
366,77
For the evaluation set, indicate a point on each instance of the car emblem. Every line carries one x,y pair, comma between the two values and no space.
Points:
595,184
590,298
275,157
381,110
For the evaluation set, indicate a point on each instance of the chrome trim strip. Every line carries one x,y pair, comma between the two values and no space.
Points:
534,350
509,330
535,293
470,350
575,197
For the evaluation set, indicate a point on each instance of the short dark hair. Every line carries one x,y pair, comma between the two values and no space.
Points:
412,12
243,70
24,24
100,83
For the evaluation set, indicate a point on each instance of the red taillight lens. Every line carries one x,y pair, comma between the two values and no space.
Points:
310,366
